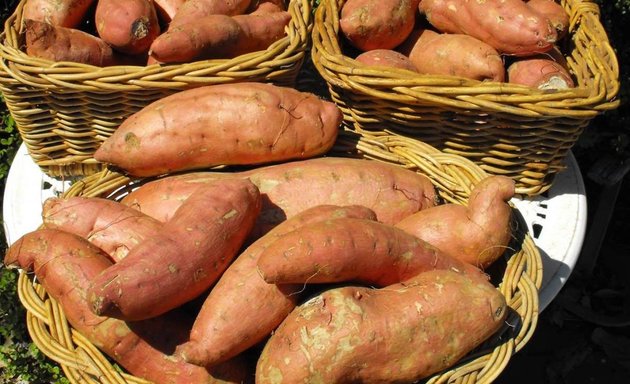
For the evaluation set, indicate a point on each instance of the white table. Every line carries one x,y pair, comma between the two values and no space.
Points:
557,220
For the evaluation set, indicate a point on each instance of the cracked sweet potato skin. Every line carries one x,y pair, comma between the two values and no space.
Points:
397,334
242,123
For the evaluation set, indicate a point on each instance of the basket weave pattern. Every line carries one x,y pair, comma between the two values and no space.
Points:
452,175
506,129
64,111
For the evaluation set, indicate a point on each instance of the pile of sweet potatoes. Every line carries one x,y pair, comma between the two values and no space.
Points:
514,41
320,270
141,32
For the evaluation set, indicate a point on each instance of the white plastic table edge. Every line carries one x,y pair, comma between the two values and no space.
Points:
559,217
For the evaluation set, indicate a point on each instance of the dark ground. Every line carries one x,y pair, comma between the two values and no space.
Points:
583,336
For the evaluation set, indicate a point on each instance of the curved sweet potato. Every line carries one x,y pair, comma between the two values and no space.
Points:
64,264
477,234
129,26
509,26
55,43
386,58
111,226
377,24
184,259
454,55
349,249
242,309
397,334
62,13
240,123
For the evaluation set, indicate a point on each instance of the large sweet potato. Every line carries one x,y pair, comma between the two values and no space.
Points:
184,259
55,43
62,13
242,309
129,26
377,24
398,334
241,123
453,54
392,192
547,70
477,234
111,226
510,26
65,264
219,37
350,249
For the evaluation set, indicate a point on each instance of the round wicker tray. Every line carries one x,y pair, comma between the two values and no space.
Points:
518,275
64,110
504,128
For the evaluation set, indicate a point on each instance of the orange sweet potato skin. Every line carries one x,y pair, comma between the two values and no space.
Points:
287,189
55,43
111,226
545,71
192,10
166,9
184,259
351,249
129,26
241,123
242,309
377,24
62,13
477,234
386,58
398,334
555,12
64,264
454,55
219,36
510,26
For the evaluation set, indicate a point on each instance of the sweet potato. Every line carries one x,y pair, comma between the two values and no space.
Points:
509,26
64,264
350,249
219,37
544,71
54,43
111,226
386,58
377,24
184,259
392,192
192,10
477,234
166,9
241,123
453,54
242,309
266,6
129,26
555,12
61,13
397,334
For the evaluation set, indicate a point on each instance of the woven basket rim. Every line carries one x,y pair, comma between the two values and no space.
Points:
45,74
596,90
454,178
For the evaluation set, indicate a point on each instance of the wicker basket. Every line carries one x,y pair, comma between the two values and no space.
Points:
518,275
64,111
506,129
